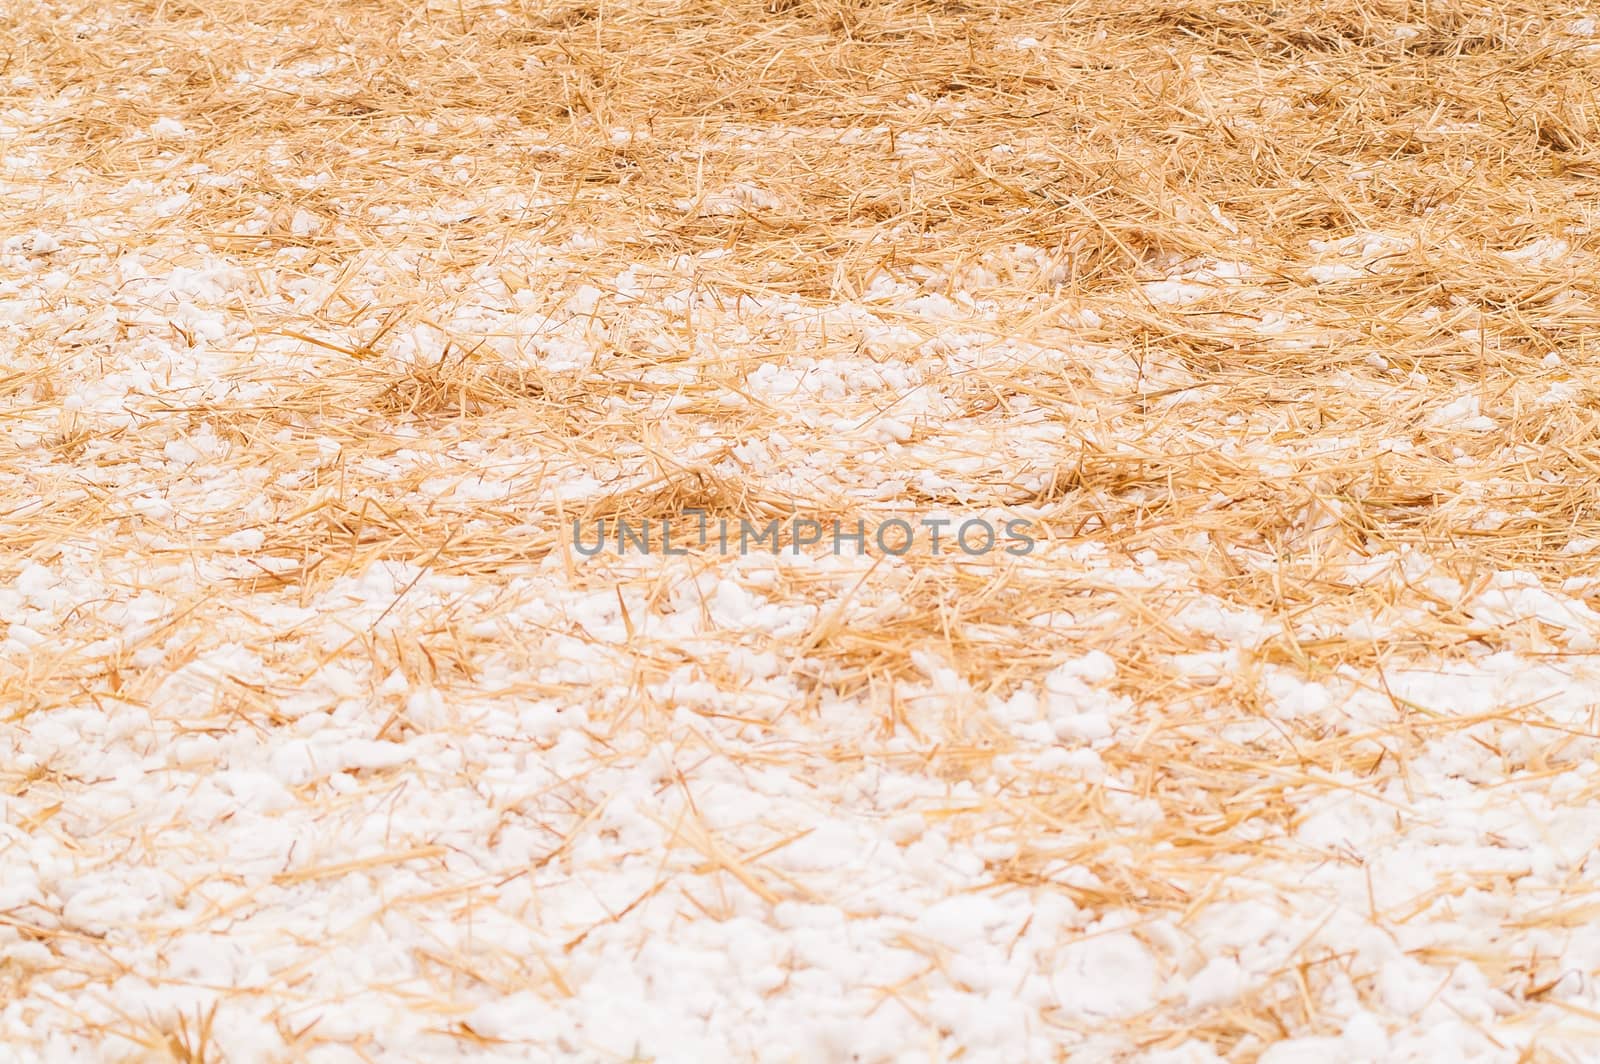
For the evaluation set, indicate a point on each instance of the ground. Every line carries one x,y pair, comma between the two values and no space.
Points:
330,332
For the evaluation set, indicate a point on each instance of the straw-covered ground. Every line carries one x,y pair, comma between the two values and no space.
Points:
322,324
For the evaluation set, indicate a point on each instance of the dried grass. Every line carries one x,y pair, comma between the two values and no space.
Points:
913,141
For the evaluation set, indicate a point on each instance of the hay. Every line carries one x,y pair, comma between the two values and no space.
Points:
322,324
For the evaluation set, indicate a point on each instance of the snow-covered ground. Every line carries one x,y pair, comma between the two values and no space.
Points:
321,738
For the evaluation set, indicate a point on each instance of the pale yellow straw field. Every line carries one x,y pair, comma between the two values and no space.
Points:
329,332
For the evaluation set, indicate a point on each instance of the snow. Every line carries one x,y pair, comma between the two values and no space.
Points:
309,719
